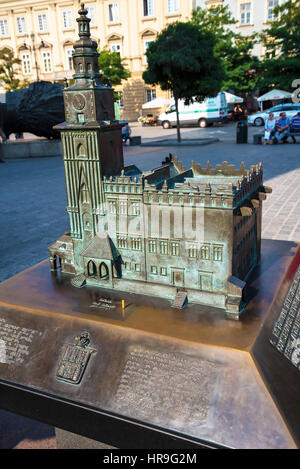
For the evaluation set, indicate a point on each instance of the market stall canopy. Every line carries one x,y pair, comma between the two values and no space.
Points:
232,99
274,95
157,103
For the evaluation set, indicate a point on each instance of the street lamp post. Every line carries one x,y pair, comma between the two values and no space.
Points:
35,60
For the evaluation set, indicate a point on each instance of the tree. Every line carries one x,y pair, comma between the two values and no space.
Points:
8,71
233,49
182,59
112,68
281,65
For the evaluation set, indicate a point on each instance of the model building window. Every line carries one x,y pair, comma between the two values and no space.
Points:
135,208
26,64
192,250
153,269
148,7
152,245
122,242
175,249
3,27
218,253
67,19
113,12
84,193
173,6
163,271
164,247
47,62
127,266
136,244
123,207
137,267
112,207
42,22
21,25
205,252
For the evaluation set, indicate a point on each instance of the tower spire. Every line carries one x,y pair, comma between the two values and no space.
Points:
83,22
85,55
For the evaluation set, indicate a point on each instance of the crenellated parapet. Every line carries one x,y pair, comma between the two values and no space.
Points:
224,169
249,184
187,194
221,187
122,185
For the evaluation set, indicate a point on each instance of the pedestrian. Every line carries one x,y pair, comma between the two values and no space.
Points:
238,112
126,132
3,139
269,129
295,125
283,128
2,136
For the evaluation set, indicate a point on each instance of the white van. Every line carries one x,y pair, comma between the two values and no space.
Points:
202,114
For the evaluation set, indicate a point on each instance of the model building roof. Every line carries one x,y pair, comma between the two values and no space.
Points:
99,248
64,242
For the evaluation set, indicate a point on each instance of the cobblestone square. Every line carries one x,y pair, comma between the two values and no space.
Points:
34,198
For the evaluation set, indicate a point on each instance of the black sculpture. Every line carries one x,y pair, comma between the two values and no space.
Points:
35,109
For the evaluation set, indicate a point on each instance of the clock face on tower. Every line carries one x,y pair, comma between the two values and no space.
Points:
78,101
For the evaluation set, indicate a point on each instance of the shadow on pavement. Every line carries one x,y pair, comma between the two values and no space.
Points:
21,432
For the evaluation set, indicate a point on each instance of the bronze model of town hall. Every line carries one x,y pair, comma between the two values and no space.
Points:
171,232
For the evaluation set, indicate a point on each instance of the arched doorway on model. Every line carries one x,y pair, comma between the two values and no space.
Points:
92,269
103,271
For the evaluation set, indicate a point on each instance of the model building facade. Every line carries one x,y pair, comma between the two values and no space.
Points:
174,229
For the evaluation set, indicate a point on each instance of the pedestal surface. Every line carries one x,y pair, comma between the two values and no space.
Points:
158,377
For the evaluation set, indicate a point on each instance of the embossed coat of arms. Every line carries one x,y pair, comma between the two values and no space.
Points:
74,359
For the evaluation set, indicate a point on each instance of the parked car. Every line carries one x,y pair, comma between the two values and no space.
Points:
258,119
202,114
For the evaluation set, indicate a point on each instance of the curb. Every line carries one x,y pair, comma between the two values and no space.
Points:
183,143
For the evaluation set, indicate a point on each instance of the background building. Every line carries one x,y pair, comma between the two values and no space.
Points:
41,34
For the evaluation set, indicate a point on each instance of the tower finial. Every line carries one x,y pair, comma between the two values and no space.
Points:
83,22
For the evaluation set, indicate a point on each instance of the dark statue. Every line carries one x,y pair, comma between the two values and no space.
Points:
35,109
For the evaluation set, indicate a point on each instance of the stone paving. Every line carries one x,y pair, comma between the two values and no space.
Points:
34,198
33,214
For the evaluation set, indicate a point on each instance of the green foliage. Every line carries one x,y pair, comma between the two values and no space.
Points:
233,49
182,60
8,70
281,65
112,68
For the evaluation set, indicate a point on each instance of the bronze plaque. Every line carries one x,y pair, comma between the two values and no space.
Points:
74,360
16,342
157,385
286,330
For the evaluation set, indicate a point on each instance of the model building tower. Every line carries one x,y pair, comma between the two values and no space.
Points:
172,232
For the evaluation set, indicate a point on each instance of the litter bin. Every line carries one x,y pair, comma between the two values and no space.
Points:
242,132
